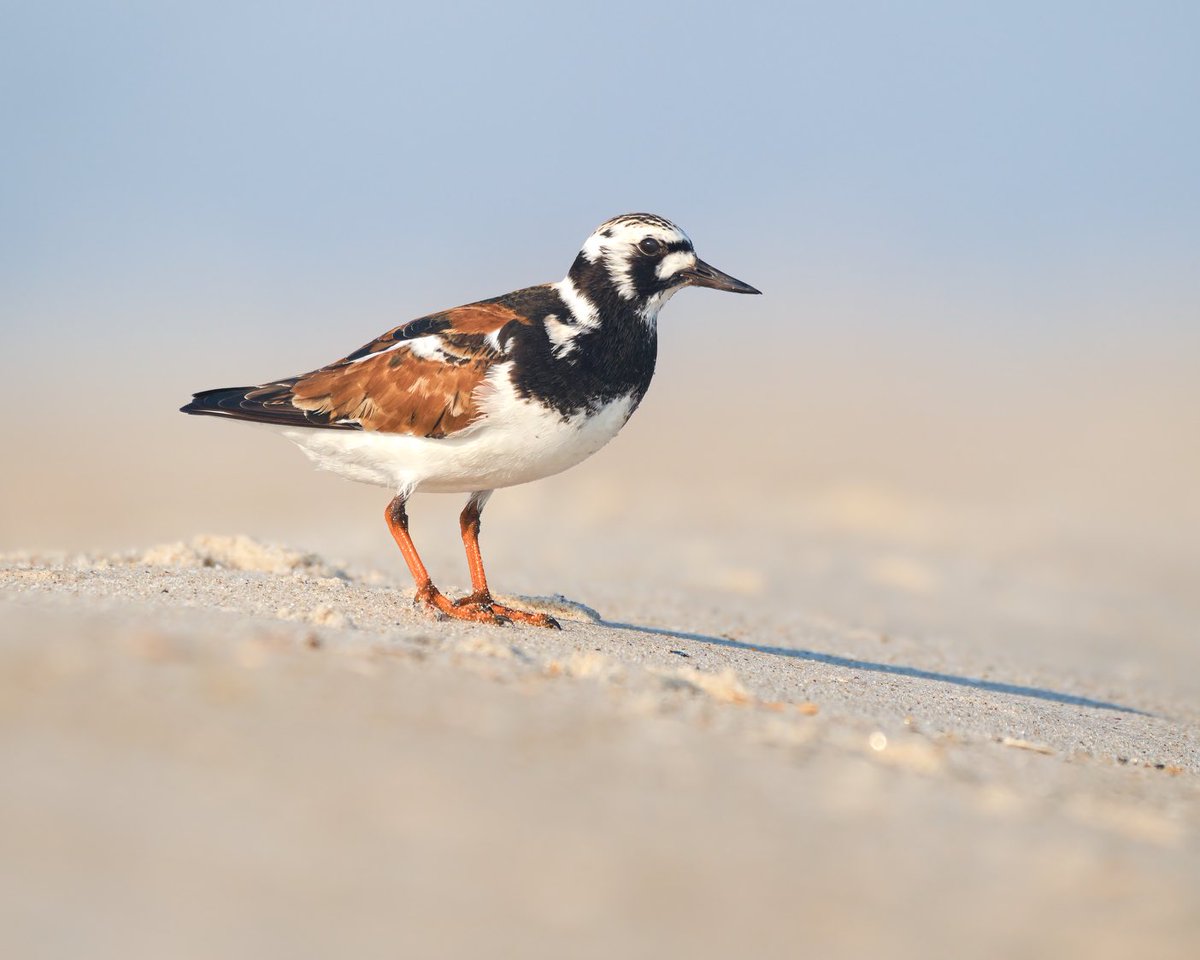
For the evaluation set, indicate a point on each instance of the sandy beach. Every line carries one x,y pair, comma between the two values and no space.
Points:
226,747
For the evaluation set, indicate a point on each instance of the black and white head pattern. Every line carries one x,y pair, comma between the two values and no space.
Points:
633,261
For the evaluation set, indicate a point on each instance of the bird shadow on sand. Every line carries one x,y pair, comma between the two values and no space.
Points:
850,663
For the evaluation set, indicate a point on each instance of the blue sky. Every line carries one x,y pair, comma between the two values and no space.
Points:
266,165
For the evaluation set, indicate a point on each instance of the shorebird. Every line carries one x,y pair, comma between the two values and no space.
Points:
490,394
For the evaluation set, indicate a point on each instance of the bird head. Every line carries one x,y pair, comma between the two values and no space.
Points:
640,260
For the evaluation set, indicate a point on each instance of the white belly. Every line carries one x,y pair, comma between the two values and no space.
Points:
514,442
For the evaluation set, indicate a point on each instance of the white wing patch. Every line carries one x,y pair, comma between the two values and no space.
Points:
391,348
427,348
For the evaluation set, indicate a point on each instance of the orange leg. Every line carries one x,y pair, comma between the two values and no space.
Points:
479,606
427,594
469,523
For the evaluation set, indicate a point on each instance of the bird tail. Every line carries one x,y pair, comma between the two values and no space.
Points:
262,404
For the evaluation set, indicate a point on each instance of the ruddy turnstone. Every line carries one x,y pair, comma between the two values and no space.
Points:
490,394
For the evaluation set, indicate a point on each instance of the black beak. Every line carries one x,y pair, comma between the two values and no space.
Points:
703,275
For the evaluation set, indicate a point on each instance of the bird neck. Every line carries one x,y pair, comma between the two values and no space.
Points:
595,284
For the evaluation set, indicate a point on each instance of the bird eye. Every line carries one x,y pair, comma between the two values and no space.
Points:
650,246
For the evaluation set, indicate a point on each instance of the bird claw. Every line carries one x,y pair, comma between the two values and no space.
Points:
480,608
510,614
529,617
507,615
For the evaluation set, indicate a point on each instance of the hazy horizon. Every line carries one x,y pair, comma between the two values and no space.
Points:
975,229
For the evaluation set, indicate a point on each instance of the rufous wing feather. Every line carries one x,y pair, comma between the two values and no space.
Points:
421,378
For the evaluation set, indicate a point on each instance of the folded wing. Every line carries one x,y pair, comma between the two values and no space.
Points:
421,378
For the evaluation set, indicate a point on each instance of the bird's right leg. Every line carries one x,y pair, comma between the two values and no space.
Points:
480,595
427,594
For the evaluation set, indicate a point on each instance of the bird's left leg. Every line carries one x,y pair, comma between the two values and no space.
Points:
481,597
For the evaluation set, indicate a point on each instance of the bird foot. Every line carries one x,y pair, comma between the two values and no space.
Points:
480,608
483,600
